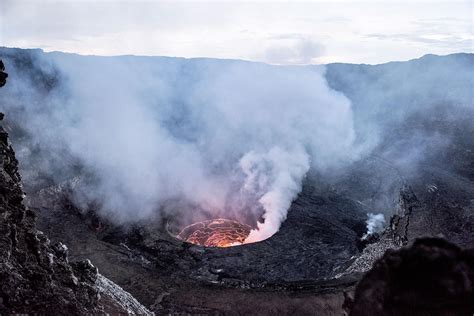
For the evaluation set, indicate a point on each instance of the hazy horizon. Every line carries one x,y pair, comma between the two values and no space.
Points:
273,32
227,59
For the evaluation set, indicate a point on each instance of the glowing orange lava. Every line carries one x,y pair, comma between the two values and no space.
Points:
215,233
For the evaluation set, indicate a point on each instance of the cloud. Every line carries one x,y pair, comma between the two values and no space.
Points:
439,40
442,32
292,49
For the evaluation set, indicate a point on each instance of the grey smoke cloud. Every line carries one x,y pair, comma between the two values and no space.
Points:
227,137
410,116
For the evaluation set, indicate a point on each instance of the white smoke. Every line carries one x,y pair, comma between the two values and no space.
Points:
224,136
375,223
276,194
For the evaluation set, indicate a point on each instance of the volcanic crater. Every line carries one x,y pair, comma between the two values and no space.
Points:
176,266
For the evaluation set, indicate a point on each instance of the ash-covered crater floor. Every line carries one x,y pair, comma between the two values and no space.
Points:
295,269
316,256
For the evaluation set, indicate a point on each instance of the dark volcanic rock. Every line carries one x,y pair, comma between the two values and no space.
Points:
432,277
3,74
35,276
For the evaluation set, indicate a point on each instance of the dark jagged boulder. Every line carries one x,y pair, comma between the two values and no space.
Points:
432,277
3,74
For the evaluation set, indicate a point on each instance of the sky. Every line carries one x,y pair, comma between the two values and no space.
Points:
276,32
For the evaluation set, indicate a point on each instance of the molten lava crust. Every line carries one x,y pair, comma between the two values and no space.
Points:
215,233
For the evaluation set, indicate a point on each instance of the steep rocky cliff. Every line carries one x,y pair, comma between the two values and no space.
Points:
35,274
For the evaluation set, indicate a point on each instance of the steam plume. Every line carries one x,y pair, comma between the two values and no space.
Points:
227,137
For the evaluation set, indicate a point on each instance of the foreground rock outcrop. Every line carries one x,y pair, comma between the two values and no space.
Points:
35,275
432,277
